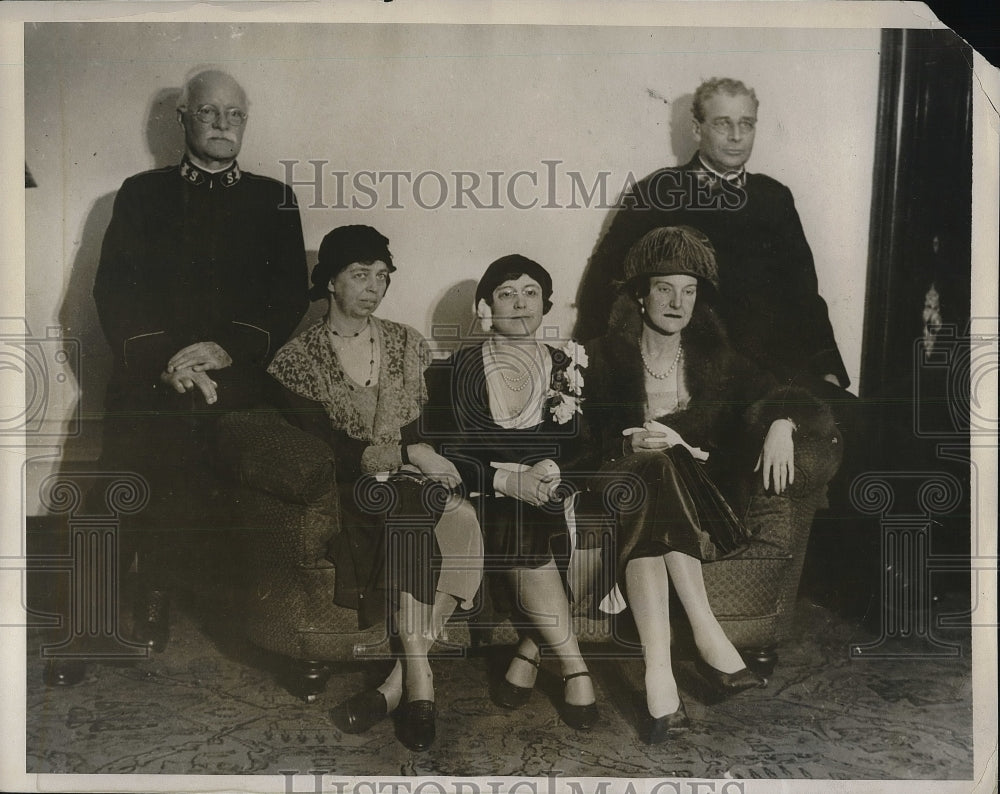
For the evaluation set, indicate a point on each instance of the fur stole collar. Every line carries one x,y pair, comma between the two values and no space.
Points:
707,366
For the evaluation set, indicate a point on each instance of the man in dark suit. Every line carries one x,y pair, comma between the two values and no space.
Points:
202,278
768,290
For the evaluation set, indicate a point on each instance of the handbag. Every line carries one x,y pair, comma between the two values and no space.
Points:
715,516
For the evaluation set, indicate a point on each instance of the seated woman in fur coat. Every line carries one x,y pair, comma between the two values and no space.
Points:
684,422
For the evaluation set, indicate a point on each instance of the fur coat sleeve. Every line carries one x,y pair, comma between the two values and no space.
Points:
732,405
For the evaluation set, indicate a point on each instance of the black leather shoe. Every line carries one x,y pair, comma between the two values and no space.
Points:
64,672
418,730
512,696
579,717
725,685
659,729
363,711
152,620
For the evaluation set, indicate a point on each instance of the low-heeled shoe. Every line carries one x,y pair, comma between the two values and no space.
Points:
364,710
579,717
725,685
512,696
418,730
659,729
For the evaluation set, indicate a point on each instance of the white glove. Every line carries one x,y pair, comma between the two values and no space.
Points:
659,436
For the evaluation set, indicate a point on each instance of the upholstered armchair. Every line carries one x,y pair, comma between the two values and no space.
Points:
287,510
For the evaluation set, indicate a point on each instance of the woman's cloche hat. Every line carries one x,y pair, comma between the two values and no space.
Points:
344,246
513,266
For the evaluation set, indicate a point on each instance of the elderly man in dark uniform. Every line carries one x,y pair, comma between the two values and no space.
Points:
202,278
769,297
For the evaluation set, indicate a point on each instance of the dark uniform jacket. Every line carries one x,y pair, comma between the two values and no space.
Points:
769,298
196,257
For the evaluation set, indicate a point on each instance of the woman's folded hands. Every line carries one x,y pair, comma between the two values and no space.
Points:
535,485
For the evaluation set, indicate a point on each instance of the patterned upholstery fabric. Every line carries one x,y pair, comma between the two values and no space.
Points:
260,450
288,512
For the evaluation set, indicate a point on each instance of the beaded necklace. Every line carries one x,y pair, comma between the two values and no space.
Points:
347,340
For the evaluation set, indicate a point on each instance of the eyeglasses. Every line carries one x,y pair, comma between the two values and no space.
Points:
509,293
728,126
209,114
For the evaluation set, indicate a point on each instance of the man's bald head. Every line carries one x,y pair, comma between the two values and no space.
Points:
212,110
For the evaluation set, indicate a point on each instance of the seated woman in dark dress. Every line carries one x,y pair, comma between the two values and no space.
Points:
687,421
358,382
511,428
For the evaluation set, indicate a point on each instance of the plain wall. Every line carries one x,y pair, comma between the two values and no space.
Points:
99,106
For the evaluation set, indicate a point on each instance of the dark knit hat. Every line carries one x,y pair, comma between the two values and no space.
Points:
510,268
669,250
341,248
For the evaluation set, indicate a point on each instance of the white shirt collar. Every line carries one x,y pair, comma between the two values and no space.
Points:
738,176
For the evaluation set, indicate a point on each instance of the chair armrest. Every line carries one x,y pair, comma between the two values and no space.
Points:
259,449
816,461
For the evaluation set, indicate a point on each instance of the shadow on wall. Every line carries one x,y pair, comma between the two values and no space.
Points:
317,308
163,134
593,290
682,142
78,313
453,320
78,318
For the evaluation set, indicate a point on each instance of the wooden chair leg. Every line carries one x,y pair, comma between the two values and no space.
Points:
761,660
306,678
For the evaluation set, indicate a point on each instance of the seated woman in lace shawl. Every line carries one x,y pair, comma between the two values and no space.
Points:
358,382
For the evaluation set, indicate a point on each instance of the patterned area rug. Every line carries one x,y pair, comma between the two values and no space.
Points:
210,705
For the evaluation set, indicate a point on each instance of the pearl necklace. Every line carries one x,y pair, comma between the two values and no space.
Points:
348,338
513,385
516,384
660,375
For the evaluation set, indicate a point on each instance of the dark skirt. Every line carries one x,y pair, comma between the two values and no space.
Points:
658,502
517,535
386,546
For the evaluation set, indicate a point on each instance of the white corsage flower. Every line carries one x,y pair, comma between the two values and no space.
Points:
577,354
563,408
566,386
485,315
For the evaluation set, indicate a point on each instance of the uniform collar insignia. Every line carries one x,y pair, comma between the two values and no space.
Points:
198,176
